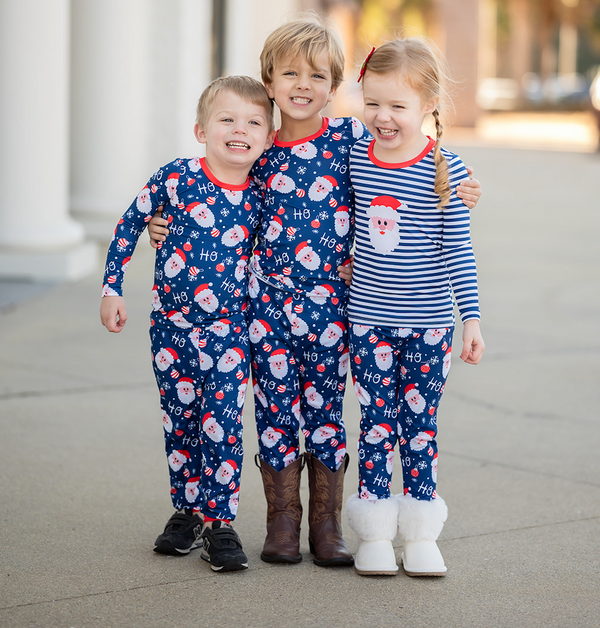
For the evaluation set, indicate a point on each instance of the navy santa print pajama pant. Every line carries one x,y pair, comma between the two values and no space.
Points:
399,376
300,363
202,375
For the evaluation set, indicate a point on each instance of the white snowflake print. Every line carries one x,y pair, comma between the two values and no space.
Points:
343,150
315,316
195,235
193,363
363,352
377,456
301,170
218,347
225,212
422,465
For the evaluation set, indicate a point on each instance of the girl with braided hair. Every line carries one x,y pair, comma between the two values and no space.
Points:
413,262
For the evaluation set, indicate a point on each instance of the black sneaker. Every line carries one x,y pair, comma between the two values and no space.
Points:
181,535
222,548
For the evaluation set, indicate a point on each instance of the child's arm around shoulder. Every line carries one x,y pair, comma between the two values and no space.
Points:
112,313
473,345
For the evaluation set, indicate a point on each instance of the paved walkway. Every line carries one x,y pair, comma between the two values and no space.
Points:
84,486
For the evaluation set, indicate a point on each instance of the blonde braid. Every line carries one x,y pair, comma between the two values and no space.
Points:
441,185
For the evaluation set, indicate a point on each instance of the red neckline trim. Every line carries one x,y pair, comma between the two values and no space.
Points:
404,164
304,139
222,184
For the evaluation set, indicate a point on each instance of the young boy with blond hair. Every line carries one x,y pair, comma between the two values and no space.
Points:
198,329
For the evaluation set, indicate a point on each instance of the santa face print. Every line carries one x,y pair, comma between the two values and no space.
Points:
394,114
279,366
342,223
433,336
323,433
233,236
299,327
305,150
270,437
415,401
331,335
377,433
213,430
224,473
313,398
203,215
174,265
301,91
236,133
256,332
227,362
273,231
308,258
185,392
191,491
177,460
162,360
207,300
143,203
384,224
383,356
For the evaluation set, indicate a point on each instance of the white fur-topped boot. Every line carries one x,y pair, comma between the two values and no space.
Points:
375,523
420,523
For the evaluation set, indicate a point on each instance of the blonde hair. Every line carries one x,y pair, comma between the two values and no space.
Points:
245,87
306,37
423,70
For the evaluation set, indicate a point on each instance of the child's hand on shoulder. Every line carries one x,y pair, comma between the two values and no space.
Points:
113,314
469,190
158,229
473,345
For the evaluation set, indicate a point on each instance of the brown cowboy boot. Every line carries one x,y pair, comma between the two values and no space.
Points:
324,514
284,512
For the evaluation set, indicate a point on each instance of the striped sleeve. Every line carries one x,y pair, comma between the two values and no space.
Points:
457,247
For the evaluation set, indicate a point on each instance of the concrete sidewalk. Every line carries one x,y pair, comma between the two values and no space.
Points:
84,484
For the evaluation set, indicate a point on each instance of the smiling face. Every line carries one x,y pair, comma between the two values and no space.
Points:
236,133
301,91
394,114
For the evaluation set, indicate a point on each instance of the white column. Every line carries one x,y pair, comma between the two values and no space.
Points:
38,238
195,44
110,126
248,24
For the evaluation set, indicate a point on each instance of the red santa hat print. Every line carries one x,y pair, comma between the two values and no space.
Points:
385,207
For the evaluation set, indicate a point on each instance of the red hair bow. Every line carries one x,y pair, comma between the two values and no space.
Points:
364,65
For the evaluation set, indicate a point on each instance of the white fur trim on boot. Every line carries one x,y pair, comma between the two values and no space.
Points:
420,523
375,523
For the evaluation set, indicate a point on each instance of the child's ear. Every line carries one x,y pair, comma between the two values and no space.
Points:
270,139
331,95
270,91
432,106
199,134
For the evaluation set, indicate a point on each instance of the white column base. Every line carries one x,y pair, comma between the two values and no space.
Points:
65,264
